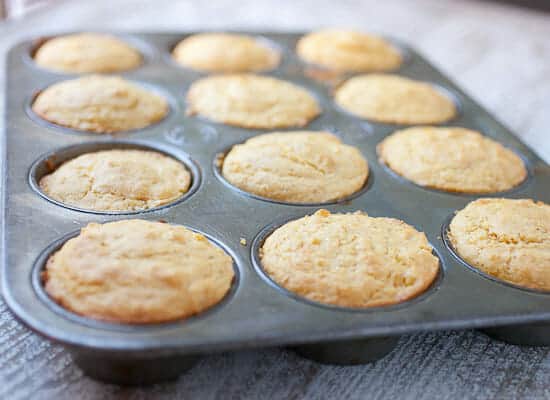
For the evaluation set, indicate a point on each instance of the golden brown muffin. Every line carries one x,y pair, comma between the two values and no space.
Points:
139,272
118,180
394,99
87,53
452,159
225,52
507,239
296,167
350,260
100,104
252,101
346,50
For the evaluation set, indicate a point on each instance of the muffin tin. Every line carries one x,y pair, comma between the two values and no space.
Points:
256,312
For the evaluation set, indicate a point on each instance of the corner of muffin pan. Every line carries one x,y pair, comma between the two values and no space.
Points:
532,334
50,161
266,231
217,164
148,52
40,291
173,110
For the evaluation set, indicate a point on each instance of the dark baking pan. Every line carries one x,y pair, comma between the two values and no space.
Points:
257,312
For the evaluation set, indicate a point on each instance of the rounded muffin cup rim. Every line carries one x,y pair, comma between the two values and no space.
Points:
37,283
217,166
148,52
167,54
267,230
441,88
529,175
190,165
445,231
171,101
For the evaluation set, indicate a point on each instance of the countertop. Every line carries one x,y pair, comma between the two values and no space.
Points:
499,54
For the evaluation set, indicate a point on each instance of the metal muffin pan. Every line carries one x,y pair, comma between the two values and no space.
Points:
257,312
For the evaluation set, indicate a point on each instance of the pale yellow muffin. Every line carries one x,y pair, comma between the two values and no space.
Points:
347,50
507,239
350,260
252,101
296,167
225,52
394,99
86,53
136,271
118,180
452,159
100,104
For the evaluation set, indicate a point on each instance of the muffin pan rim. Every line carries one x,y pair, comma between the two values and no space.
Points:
185,159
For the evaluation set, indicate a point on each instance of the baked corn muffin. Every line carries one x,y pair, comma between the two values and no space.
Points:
394,99
506,238
118,180
87,53
225,52
138,272
296,167
350,260
452,159
100,104
348,51
252,101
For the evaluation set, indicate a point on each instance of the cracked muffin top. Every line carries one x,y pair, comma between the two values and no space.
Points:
138,272
296,167
452,159
87,53
225,52
505,238
118,180
348,51
350,260
100,104
252,101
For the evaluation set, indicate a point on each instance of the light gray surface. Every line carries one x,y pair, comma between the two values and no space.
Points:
500,55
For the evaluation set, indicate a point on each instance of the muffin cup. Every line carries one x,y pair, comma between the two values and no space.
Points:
348,352
122,370
537,334
51,161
